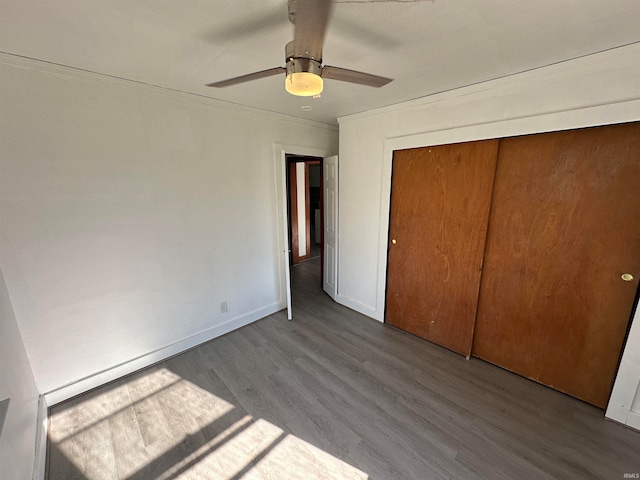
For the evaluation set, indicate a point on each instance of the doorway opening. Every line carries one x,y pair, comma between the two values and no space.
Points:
305,212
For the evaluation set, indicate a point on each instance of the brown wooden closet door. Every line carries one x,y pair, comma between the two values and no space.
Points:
440,200
564,227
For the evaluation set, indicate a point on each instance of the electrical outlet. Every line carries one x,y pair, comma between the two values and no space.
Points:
223,307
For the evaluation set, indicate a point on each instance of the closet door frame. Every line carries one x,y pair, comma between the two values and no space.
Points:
627,378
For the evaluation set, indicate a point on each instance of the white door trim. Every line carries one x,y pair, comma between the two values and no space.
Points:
280,151
330,280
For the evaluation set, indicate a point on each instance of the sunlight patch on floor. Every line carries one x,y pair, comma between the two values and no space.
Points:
158,425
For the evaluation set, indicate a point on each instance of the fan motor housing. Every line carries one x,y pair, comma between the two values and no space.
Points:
301,64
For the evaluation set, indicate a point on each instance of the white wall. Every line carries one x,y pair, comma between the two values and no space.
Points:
624,406
301,201
18,435
129,213
594,90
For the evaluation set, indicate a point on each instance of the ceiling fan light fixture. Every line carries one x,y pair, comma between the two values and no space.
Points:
304,75
303,84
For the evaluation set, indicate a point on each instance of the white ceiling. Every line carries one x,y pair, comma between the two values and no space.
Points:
427,46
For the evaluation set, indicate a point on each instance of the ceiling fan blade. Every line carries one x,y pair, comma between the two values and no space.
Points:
247,78
311,20
344,75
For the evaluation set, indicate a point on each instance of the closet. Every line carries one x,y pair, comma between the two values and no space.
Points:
522,251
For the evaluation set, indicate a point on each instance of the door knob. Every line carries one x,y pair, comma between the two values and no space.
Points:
627,277
393,241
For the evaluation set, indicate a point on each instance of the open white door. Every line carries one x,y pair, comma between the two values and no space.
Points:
280,152
330,182
281,189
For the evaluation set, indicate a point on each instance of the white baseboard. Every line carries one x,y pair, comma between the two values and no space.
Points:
359,307
40,460
100,378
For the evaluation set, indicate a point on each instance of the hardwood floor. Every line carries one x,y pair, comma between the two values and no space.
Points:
331,395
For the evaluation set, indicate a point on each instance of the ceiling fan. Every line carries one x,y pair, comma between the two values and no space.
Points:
303,55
